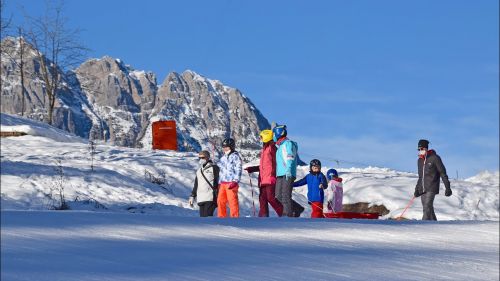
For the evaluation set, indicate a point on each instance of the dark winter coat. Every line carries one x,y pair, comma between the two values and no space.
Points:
314,192
205,190
430,170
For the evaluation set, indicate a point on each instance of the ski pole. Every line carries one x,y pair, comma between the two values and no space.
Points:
251,187
407,206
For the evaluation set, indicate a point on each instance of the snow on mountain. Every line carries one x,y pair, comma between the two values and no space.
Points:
108,100
122,180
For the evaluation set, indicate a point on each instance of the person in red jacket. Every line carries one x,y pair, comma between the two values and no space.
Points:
267,175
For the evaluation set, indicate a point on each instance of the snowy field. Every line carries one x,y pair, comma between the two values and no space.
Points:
77,245
123,226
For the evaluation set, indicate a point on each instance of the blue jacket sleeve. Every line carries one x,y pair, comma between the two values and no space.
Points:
300,182
324,182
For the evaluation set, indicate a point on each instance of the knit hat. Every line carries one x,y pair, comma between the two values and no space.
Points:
423,143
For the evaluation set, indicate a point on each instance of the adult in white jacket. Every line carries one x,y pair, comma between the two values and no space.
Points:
205,185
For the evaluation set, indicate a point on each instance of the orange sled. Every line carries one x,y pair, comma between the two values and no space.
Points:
351,215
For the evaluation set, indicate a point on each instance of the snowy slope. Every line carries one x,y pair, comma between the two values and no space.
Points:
112,246
118,183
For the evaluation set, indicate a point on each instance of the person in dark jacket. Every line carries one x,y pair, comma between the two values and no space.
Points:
316,183
267,175
430,170
205,185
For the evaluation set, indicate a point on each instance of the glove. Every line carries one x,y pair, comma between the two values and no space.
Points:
448,192
232,185
288,175
191,201
417,193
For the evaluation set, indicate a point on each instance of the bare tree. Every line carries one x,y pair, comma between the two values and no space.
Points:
21,70
92,150
4,25
57,48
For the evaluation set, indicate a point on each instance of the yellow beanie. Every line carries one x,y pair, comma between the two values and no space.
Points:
266,136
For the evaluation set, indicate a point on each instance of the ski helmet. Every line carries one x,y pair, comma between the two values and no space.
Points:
229,142
332,173
315,162
279,131
266,136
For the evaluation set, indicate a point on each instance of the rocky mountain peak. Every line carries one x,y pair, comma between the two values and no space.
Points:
110,100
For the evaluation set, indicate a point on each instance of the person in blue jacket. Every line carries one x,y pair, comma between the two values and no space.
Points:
286,171
316,183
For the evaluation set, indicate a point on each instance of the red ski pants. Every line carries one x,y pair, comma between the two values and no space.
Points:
317,210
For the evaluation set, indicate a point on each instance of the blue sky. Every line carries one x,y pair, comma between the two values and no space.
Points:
359,81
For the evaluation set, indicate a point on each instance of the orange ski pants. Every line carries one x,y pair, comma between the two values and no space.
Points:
227,195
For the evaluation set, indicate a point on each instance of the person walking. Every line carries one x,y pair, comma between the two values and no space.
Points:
430,170
316,183
230,175
286,171
205,185
267,175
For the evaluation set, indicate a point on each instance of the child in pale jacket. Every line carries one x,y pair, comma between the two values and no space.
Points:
334,192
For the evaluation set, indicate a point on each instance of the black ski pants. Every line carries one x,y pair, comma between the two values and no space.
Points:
284,195
428,206
207,208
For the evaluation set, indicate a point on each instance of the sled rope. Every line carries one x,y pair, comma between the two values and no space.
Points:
407,206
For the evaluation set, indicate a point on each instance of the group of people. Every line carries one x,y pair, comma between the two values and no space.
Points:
216,185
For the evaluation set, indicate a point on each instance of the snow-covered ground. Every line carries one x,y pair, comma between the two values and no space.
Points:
121,226
31,177
76,245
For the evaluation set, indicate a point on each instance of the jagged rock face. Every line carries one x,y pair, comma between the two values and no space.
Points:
209,112
121,98
106,99
68,114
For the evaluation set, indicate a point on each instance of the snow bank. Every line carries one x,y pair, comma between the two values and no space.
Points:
122,180
12,123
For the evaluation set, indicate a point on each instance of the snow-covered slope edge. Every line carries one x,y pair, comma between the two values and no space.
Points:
119,181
